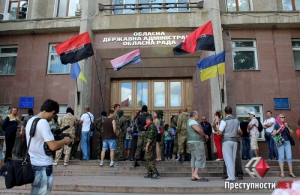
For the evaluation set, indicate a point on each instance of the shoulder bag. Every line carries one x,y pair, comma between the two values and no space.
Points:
292,142
19,172
92,125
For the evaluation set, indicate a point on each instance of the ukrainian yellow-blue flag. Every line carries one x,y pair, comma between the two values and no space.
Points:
77,73
212,66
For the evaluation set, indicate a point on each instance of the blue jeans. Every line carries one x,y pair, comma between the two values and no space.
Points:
246,147
167,152
43,180
271,146
109,143
286,147
85,145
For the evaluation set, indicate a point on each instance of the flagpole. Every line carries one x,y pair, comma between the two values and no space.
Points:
219,83
99,84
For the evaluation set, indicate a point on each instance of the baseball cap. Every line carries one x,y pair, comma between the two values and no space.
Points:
253,113
219,110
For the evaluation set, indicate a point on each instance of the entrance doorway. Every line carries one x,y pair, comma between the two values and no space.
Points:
168,95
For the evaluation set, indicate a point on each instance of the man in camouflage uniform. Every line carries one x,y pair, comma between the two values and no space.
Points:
119,155
76,140
150,140
99,128
174,125
181,132
124,123
67,119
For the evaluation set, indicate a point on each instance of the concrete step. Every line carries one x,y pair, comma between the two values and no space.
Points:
139,185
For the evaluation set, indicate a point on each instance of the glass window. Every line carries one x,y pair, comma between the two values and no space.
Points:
128,3
8,58
244,55
243,110
179,8
142,93
238,5
291,5
18,9
159,94
4,110
54,64
126,94
175,94
296,52
66,8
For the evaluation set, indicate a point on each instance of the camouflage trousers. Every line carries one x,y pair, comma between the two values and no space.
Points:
151,169
99,144
119,152
67,151
162,146
74,148
140,144
175,148
182,145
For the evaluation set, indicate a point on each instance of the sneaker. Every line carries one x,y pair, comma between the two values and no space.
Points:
148,176
229,180
155,176
101,163
72,158
66,164
218,159
112,164
54,163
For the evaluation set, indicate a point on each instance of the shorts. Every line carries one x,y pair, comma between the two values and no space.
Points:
109,143
158,137
253,143
127,143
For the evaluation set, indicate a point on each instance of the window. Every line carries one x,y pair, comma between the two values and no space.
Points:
296,51
126,94
154,8
244,55
243,110
18,9
8,58
54,64
175,94
62,111
238,5
4,110
159,94
65,8
291,5
142,93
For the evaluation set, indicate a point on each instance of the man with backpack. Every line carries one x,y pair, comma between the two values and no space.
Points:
254,133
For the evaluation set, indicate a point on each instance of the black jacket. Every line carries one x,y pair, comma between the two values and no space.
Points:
141,121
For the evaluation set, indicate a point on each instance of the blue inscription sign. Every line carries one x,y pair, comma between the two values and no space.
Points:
26,102
282,104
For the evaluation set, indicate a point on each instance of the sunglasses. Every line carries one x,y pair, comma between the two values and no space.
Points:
282,117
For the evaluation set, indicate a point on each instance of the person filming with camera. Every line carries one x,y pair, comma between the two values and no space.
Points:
42,163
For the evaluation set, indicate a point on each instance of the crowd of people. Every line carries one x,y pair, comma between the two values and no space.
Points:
146,137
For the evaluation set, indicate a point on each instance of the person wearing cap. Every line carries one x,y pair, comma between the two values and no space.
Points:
254,133
99,128
86,120
141,123
67,119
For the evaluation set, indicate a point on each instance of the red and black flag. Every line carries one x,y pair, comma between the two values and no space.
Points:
75,49
201,39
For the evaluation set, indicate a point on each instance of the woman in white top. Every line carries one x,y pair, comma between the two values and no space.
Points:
156,121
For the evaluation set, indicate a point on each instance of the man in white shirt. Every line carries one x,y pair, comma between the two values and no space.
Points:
254,133
86,120
268,125
42,163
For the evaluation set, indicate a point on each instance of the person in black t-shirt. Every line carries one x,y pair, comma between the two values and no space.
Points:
245,139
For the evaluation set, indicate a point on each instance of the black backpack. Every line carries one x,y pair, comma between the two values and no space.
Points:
260,127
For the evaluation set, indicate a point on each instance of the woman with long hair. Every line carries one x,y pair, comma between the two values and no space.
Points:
217,137
156,121
282,128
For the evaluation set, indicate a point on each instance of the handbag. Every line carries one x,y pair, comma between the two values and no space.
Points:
279,141
92,125
292,142
19,172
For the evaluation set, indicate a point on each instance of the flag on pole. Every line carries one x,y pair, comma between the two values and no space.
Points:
77,73
75,49
212,66
132,57
201,39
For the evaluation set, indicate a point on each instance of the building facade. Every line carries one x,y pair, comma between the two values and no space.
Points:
261,41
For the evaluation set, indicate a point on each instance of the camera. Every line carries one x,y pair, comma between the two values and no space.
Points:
58,135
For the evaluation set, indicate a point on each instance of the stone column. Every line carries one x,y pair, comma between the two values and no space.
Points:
213,8
88,9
